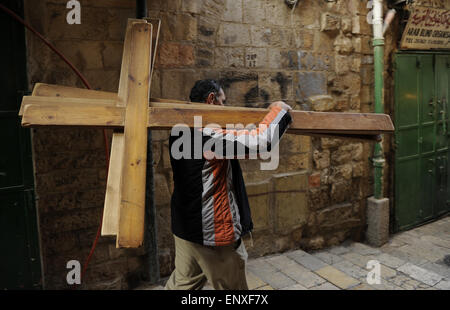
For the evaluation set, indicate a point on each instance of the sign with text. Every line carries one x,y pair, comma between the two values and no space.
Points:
427,28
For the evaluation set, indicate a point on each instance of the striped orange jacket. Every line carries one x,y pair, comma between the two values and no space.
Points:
209,203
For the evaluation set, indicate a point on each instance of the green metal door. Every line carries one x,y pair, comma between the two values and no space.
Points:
442,133
20,266
421,137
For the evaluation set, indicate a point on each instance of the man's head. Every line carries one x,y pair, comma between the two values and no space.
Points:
208,91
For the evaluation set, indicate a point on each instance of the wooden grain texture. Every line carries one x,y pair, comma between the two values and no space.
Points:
77,113
51,90
57,91
61,102
41,114
167,115
156,26
111,213
132,198
123,91
112,198
323,121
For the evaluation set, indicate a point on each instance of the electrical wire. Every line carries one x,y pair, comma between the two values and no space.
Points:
292,22
85,82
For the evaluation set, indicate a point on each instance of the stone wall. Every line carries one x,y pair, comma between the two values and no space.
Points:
261,51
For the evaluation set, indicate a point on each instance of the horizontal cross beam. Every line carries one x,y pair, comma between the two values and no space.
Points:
51,111
58,91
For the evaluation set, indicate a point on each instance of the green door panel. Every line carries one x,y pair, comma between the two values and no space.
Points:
408,112
442,135
426,189
408,137
441,179
407,181
422,138
407,123
428,138
427,132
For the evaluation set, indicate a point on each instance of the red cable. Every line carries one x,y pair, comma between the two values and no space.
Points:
85,82
51,46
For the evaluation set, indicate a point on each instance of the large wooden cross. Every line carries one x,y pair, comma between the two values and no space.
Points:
131,111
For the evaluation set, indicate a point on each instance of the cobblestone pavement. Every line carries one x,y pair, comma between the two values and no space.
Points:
415,259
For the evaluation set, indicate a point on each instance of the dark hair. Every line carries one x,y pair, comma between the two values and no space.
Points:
203,88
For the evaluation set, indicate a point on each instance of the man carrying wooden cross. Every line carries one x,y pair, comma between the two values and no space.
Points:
210,209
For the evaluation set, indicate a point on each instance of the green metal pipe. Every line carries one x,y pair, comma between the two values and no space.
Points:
378,157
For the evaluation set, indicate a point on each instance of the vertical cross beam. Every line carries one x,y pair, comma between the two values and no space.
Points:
110,224
132,189
111,211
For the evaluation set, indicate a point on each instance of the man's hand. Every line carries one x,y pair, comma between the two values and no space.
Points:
281,105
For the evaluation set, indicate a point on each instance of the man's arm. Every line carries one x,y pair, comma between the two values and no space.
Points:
240,143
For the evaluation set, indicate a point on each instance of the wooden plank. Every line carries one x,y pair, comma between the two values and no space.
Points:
161,100
61,102
132,189
324,122
379,122
302,120
112,198
99,113
51,90
123,91
165,115
62,95
42,89
111,213
72,113
156,26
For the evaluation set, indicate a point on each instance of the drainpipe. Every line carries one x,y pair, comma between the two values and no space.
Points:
378,44
377,212
151,244
141,9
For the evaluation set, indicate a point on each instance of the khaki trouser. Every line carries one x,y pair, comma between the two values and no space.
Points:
195,264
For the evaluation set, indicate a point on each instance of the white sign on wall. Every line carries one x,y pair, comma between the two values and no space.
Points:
427,28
